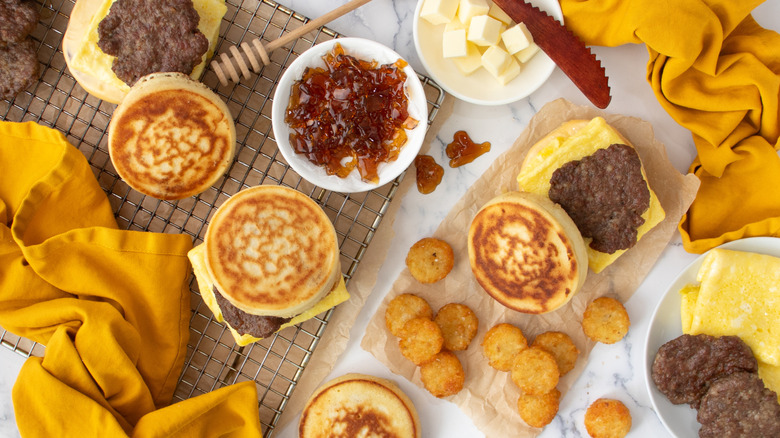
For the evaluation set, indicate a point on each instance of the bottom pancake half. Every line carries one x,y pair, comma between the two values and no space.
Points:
526,252
357,405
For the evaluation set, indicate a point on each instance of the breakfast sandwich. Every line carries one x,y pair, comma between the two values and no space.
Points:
171,137
526,252
596,175
359,405
270,259
110,44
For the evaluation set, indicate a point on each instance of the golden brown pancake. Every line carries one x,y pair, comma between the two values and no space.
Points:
271,250
359,405
526,252
171,137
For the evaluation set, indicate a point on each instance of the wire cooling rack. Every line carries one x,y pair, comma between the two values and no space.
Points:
213,359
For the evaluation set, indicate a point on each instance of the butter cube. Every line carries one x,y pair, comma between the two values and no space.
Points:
526,54
439,11
484,30
468,9
454,43
510,72
496,60
471,62
499,14
516,38
455,24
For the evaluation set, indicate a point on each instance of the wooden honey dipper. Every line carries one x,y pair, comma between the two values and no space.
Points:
257,49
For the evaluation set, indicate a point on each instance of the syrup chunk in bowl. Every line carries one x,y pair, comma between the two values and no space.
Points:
358,115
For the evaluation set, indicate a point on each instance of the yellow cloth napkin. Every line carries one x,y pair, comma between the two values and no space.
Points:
111,306
717,73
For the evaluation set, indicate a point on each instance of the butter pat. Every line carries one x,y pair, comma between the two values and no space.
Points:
438,11
510,72
468,9
499,14
527,53
484,30
496,60
471,62
516,38
454,43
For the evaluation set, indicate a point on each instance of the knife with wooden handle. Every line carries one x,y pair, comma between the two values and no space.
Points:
564,48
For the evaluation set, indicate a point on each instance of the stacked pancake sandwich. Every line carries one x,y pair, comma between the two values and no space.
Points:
597,176
109,44
526,252
359,405
270,259
171,137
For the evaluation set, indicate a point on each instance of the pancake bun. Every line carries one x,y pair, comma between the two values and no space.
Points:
171,137
359,403
271,250
526,252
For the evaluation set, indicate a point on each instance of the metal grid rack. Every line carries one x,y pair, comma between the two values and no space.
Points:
213,359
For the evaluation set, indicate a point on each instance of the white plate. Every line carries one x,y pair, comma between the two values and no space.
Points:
353,183
680,420
480,87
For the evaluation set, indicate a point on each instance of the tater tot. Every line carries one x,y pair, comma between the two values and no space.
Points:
607,418
458,325
420,340
534,371
403,308
561,347
539,410
605,320
501,344
430,260
444,375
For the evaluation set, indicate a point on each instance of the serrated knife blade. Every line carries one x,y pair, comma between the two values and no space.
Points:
564,48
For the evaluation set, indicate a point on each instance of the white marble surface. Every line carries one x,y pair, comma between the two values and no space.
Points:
614,371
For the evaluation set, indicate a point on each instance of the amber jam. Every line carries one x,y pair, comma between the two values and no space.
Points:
429,173
350,114
463,150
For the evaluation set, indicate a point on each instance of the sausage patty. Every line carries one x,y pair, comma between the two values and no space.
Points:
17,19
605,194
19,67
244,323
684,367
151,36
739,405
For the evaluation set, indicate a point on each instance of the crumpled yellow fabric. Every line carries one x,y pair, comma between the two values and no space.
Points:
717,73
111,306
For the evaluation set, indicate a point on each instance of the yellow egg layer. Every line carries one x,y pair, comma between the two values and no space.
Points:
197,257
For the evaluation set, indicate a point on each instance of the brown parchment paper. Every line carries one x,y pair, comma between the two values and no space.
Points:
489,397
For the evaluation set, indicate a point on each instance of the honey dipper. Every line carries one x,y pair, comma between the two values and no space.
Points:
251,52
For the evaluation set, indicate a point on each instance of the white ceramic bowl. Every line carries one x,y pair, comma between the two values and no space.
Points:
353,183
480,87
665,325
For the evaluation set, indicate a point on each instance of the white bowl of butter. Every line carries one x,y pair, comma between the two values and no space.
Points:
480,86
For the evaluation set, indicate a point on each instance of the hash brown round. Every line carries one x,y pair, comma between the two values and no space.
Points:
539,410
458,324
430,260
420,340
605,320
534,371
561,347
443,376
607,418
501,344
404,307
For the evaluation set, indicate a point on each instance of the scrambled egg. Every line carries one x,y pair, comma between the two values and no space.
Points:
597,134
89,58
738,294
197,257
